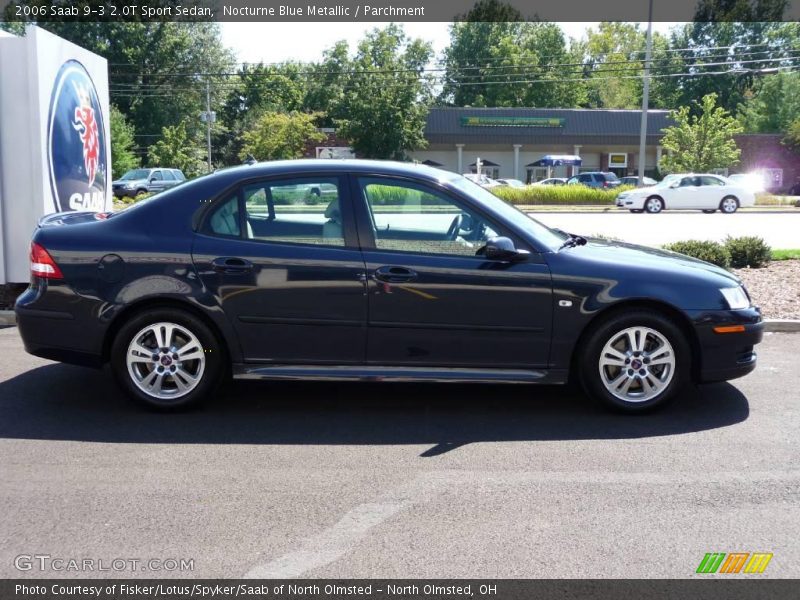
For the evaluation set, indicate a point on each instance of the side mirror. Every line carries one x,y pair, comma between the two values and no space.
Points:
502,248
675,185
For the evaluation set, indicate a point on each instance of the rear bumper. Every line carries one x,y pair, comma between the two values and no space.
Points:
725,356
49,331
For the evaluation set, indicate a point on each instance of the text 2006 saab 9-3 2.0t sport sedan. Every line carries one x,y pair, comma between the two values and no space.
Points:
395,272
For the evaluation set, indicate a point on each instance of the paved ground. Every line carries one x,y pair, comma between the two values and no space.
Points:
377,480
778,229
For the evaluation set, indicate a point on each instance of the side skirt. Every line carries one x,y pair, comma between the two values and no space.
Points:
403,374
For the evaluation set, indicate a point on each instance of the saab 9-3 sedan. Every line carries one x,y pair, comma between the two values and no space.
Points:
398,272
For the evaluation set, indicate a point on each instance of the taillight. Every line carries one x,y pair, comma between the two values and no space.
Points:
42,264
605,184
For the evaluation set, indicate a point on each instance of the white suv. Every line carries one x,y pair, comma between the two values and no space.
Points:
689,191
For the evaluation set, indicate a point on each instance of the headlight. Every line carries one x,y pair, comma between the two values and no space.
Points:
736,298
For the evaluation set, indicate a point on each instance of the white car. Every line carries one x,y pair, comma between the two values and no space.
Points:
552,181
690,191
482,180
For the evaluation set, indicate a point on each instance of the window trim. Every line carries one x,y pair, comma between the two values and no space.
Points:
364,219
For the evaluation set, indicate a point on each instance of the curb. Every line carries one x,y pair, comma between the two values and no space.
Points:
782,325
9,319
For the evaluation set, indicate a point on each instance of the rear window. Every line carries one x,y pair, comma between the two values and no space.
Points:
610,176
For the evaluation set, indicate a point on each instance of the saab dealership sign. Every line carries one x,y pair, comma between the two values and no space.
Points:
55,140
78,166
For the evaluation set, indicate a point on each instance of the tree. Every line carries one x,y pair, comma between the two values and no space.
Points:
495,58
775,106
278,136
792,138
177,149
703,141
123,158
384,109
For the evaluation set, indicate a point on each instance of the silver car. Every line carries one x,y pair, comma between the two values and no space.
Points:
141,181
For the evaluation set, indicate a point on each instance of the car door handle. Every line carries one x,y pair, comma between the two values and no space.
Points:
389,274
232,264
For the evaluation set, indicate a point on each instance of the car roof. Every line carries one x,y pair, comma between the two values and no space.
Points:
347,165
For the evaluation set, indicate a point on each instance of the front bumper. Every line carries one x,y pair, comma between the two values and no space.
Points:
724,356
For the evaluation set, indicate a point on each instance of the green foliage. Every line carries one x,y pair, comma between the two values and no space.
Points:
775,106
277,136
492,49
178,149
559,195
791,254
792,138
702,142
712,252
748,251
384,109
123,158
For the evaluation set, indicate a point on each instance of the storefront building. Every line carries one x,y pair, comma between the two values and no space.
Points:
511,142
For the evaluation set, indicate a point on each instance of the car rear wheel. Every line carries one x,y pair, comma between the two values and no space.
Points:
635,361
654,205
166,358
709,211
729,205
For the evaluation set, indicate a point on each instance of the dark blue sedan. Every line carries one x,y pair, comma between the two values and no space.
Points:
334,270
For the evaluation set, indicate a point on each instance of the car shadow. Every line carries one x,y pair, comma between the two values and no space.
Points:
61,402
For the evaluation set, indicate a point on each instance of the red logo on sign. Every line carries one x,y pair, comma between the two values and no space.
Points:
86,126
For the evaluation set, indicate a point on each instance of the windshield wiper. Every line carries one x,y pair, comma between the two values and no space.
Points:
572,241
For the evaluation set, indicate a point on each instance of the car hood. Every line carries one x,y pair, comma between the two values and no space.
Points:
657,260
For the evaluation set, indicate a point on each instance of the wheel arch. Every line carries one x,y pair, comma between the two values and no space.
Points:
170,303
666,309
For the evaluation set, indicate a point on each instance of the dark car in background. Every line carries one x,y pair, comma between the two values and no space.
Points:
142,181
405,273
634,180
595,179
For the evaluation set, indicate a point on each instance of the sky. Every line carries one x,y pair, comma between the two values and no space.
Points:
276,42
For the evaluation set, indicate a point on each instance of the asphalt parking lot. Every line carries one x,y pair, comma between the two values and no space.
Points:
380,480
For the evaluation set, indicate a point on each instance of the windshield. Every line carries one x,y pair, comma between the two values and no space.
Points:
611,176
549,238
135,174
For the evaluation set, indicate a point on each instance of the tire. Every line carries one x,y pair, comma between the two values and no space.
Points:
729,205
637,210
635,386
139,191
176,388
654,205
709,211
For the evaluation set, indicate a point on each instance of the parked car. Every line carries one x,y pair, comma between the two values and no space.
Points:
482,180
141,181
598,179
688,191
632,180
552,181
515,183
180,289
751,181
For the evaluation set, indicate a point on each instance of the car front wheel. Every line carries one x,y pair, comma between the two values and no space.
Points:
166,358
729,205
654,205
635,361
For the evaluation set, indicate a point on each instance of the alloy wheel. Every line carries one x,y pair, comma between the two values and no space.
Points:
637,364
729,205
165,360
653,205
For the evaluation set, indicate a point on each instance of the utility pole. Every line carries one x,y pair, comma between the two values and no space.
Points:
209,119
645,93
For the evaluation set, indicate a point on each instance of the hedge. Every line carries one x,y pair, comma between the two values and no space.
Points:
559,195
738,253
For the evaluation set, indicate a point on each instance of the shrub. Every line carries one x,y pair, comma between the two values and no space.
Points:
748,251
712,252
560,195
